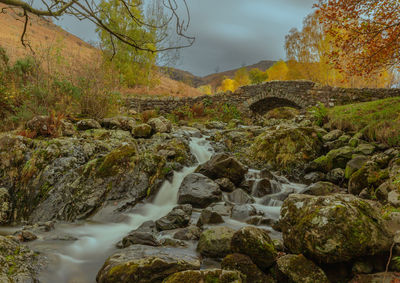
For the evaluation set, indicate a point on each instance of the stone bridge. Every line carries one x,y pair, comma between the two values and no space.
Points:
261,98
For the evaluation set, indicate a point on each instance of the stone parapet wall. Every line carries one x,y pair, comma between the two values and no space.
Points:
302,94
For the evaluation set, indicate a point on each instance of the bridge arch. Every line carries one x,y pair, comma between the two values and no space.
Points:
263,105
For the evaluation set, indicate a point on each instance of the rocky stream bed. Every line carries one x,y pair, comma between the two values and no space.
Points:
121,201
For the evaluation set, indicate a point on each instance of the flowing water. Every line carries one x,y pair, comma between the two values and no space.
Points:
79,261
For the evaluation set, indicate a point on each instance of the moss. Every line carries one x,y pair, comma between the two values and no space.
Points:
121,157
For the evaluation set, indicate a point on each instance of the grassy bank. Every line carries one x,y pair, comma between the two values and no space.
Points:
378,120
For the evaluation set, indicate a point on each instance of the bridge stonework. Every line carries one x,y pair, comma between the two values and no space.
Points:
264,97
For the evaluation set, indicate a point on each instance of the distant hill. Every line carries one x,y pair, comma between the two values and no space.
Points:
213,79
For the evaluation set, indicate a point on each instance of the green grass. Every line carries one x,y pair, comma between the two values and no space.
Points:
378,121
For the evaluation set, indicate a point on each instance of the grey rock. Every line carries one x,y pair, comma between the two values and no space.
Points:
179,217
87,124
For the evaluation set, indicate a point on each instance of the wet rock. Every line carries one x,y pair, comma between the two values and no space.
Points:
5,206
147,226
142,131
287,148
244,211
261,188
243,263
355,164
322,189
208,216
383,277
199,191
223,166
25,236
225,184
259,220
179,217
160,125
215,242
87,124
206,275
255,243
145,264
191,232
223,209
332,135
343,227
17,262
172,243
139,238
239,196
298,269
313,177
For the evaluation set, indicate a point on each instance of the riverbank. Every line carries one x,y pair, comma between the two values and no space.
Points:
285,198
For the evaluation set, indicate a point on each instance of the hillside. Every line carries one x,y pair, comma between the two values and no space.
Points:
44,36
213,79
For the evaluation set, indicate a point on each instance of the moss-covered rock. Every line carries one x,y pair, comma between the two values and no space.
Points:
255,243
244,264
335,228
322,189
206,276
215,242
142,131
369,176
355,164
336,158
144,264
298,269
17,263
286,147
121,157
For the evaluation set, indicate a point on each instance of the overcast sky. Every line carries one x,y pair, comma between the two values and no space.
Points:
229,33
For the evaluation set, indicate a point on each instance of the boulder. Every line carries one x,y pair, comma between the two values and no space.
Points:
382,277
261,188
332,135
239,196
206,275
160,124
243,263
208,216
191,232
255,243
313,177
139,238
243,211
336,176
225,184
198,190
334,228
17,262
223,165
143,264
286,148
215,242
179,217
322,189
5,206
141,131
215,125
87,124
298,269
394,198
119,122
365,149
25,236
369,175
355,164
336,158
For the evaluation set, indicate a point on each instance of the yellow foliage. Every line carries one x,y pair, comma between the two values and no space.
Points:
242,77
278,72
229,84
205,89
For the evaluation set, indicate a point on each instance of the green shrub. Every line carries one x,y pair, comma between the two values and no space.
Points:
320,113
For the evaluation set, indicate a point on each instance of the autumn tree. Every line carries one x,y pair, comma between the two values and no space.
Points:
242,77
91,10
257,76
278,72
228,84
366,33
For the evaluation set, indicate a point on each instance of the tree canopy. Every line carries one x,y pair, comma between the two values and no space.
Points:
366,33
94,12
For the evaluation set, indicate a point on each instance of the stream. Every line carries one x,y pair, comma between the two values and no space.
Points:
79,256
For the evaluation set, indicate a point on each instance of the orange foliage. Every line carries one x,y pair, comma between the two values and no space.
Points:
366,33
